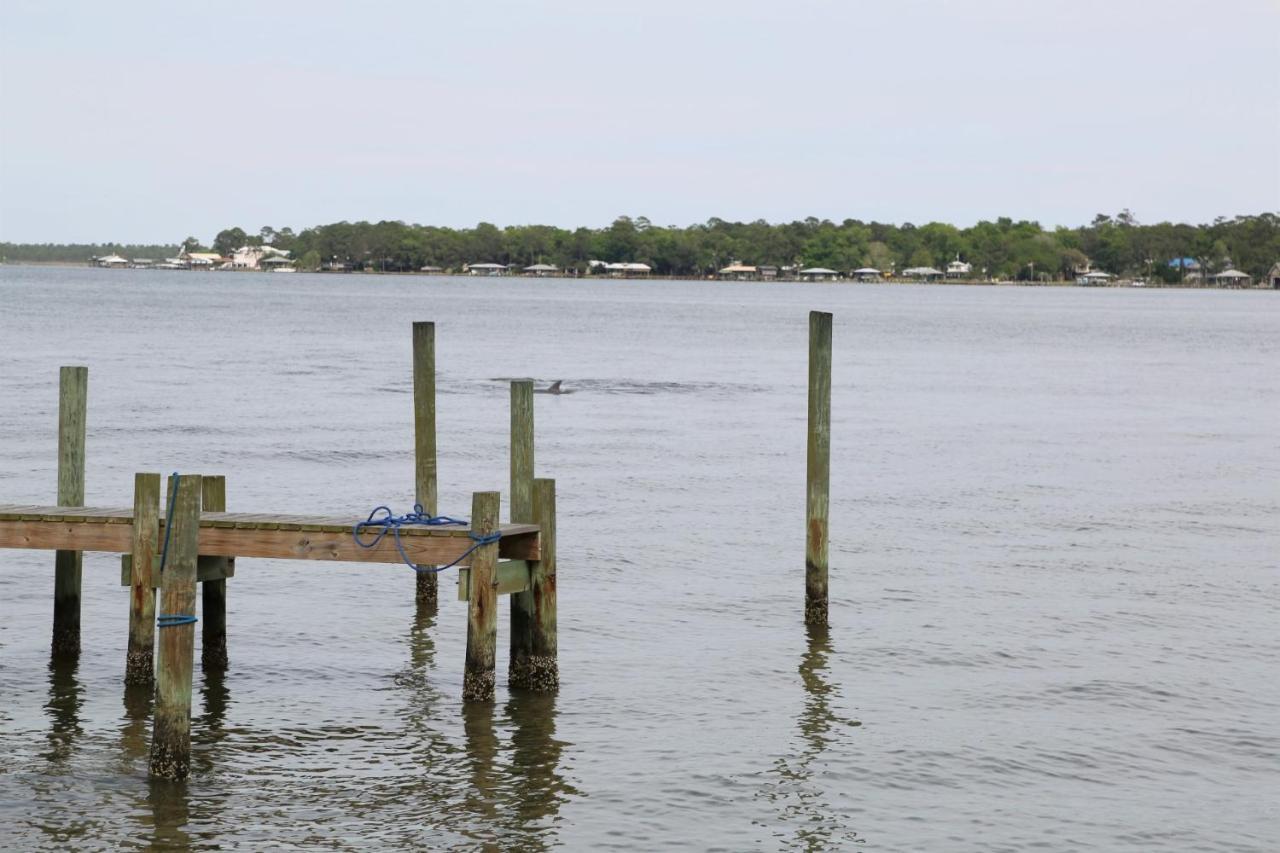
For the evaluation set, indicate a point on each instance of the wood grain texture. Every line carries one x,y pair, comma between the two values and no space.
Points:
213,604
426,486
145,544
522,466
538,668
171,736
73,397
818,480
482,617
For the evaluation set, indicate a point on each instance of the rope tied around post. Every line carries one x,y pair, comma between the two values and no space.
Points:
389,522
171,620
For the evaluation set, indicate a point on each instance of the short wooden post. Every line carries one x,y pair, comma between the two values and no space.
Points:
818,490
73,396
213,607
139,667
171,736
521,510
482,617
424,441
541,670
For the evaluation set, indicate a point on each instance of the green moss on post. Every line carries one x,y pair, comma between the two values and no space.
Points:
482,617
424,442
139,667
171,737
521,511
73,396
818,490
213,609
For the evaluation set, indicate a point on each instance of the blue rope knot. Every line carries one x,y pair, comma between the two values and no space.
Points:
392,523
173,620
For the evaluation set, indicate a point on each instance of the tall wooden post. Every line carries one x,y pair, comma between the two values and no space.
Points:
521,510
171,736
482,617
540,671
818,490
424,441
139,667
213,607
73,397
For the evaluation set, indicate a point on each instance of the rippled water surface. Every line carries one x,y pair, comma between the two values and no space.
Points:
1055,554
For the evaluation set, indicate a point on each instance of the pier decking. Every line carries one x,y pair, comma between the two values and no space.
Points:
239,534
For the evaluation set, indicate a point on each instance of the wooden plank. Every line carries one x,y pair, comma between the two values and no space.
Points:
538,666
818,480
426,546
171,737
425,475
513,577
213,603
73,397
482,605
145,543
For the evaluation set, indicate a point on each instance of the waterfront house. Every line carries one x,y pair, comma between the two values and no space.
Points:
739,272
1273,278
1233,278
1094,278
866,274
486,269
922,273
251,257
818,274
201,260
768,272
959,269
110,261
541,270
627,269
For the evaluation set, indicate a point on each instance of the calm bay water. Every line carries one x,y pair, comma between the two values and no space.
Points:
1055,567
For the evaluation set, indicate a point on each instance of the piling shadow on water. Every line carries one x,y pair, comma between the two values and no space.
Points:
63,708
795,787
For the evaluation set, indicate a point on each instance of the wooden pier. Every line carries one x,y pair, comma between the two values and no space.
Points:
188,541
170,547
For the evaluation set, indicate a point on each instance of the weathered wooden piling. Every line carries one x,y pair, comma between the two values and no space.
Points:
139,667
818,489
540,667
171,735
73,397
213,605
482,616
521,510
426,488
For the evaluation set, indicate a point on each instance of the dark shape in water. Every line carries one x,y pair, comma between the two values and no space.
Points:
554,388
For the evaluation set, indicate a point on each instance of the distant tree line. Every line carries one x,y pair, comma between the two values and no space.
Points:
1002,249
51,253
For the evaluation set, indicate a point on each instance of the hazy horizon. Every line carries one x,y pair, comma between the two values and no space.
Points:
151,123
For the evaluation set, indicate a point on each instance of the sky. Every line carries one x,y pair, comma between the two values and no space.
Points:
148,122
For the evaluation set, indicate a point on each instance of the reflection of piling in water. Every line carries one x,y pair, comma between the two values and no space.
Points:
63,707
137,713
540,789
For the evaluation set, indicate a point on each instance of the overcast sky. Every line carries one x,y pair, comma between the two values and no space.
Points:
142,121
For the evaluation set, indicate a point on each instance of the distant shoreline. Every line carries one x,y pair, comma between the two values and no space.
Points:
607,278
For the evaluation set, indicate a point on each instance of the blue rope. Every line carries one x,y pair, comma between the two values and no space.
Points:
171,620
389,522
